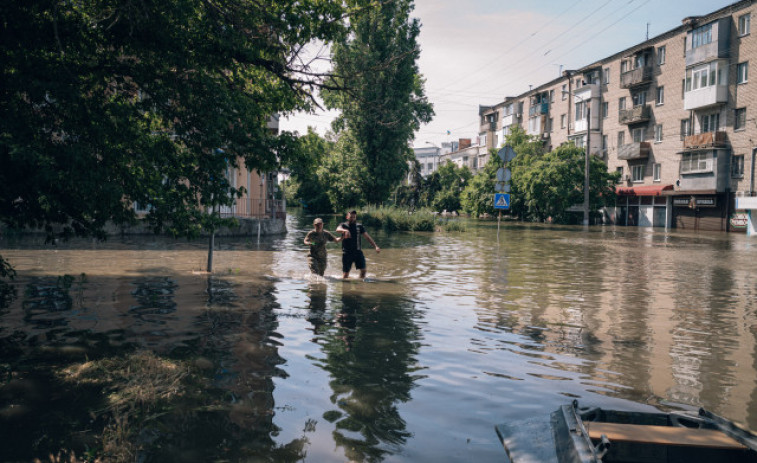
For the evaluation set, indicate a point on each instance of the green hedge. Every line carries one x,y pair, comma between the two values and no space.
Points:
394,219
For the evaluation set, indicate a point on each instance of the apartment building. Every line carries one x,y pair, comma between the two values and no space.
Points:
673,114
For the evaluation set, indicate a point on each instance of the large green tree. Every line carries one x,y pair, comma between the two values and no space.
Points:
550,184
384,102
108,102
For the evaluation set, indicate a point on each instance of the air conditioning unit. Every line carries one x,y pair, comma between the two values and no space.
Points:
518,115
545,135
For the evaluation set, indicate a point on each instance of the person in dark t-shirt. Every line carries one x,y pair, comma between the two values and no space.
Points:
352,249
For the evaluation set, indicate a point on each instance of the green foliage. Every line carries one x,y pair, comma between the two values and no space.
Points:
342,173
527,148
550,184
478,196
108,103
384,103
442,189
306,185
394,219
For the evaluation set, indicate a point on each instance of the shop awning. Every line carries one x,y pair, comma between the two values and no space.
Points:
643,190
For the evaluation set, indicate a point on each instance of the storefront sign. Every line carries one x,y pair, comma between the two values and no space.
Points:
706,201
681,201
739,221
695,201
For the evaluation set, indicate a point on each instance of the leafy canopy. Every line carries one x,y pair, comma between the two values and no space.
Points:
384,102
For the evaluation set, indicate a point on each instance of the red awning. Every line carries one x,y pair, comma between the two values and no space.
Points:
643,190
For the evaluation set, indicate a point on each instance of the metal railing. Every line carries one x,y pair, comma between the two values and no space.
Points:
255,208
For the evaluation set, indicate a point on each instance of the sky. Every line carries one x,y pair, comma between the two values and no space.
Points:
480,51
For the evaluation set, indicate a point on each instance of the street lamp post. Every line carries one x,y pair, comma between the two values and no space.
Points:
586,159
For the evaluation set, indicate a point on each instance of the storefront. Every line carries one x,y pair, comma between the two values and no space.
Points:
706,212
642,206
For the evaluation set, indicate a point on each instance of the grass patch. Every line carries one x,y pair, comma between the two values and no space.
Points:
393,219
139,388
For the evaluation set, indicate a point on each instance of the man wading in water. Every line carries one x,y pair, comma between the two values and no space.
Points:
352,246
317,240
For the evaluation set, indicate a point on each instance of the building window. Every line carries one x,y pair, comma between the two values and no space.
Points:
658,133
640,98
622,103
619,170
656,172
685,128
660,96
564,91
430,166
551,123
581,111
737,165
639,135
692,163
701,36
742,69
605,109
707,75
744,24
637,173
661,55
606,76
482,140
579,82
604,143
562,121
739,121
621,139
639,61
709,123
623,66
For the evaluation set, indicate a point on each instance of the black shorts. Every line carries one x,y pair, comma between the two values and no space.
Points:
349,257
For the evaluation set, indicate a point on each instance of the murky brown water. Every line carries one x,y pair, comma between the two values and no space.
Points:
451,334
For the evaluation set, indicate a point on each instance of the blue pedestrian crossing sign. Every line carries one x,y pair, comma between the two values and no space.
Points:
501,201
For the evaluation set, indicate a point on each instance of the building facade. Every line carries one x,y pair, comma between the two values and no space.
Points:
673,114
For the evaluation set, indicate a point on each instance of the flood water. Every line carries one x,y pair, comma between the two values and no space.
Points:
451,334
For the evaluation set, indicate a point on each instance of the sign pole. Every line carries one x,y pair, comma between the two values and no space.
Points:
499,217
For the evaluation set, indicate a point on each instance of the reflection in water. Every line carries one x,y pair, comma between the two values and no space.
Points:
276,366
370,356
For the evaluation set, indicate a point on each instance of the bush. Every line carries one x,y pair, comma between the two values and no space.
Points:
394,219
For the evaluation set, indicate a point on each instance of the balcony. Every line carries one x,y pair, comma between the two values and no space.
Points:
538,109
488,126
587,92
705,140
706,96
510,119
635,115
636,77
719,48
535,125
633,151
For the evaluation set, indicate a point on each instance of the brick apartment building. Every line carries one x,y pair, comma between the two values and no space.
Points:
675,115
